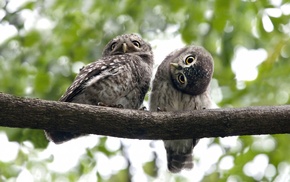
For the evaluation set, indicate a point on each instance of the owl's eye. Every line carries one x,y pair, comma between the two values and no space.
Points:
181,78
113,45
136,43
189,60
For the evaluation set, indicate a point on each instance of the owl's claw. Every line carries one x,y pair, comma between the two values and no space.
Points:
102,104
119,106
143,108
161,110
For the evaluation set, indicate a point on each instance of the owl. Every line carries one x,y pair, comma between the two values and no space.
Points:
182,83
120,78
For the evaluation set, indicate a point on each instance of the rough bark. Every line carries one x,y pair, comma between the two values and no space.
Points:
62,116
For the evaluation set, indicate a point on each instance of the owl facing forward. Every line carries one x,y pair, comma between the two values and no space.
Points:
120,78
182,83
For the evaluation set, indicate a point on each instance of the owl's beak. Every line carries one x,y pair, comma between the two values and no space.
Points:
125,47
175,65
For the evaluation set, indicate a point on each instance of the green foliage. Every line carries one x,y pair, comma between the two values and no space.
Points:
150,168
21,135
43,56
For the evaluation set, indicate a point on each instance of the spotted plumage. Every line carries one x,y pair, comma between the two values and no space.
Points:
181,83
120,78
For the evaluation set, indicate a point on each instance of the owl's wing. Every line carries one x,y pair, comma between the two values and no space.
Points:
91,70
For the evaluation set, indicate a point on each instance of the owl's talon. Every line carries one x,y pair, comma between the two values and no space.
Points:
102,104
143,108
120,106
161,110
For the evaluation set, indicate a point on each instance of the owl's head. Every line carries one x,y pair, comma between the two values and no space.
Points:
191,69
127,43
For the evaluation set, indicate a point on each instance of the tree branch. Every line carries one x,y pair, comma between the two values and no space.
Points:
125,123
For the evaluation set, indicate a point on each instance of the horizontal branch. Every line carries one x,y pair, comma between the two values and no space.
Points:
125,123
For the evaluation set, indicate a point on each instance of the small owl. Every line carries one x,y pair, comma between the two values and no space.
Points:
120,78
181,83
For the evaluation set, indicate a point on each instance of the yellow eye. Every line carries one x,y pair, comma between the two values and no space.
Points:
189,60
136,43
113,45
181,78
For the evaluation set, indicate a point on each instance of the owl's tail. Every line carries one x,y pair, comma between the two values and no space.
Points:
178,161
59,137
179,154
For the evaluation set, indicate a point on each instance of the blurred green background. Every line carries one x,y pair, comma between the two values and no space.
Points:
44,43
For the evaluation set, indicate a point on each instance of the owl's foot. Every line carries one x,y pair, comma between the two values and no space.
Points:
143,108
161,110
118,106
102,104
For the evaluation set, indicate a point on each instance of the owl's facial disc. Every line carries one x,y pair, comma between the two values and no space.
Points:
125,46
191,73
128,43
180,70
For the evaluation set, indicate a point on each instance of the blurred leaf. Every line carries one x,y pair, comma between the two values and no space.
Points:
150,168
31,38
37,137
101,147
87,164
122,175
42,82
212,177
8,170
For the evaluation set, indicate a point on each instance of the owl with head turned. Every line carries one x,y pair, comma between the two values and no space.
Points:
181,83
121,78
